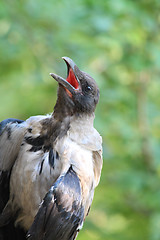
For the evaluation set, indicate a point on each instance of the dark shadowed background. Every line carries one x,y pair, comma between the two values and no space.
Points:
117,43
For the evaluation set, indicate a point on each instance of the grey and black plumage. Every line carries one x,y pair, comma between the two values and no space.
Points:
50,165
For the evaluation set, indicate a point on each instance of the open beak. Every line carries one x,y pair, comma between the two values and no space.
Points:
72,83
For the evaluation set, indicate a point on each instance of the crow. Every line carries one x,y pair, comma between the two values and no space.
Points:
50,165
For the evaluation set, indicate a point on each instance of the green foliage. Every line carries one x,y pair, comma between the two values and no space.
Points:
117,42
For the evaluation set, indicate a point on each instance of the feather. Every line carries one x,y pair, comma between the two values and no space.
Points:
61,213
50,165
11,134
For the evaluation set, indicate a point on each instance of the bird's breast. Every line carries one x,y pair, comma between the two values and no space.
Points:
81,160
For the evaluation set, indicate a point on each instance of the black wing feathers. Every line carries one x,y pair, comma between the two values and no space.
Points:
10,232
4,189
5,175
61,213
53,155
7,228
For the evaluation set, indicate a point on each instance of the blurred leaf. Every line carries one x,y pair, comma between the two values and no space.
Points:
116,42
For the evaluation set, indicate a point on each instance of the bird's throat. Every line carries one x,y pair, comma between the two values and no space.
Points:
72,79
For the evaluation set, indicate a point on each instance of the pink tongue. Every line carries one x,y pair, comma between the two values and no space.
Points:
72,79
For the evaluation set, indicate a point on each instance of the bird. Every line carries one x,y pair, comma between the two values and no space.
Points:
51,164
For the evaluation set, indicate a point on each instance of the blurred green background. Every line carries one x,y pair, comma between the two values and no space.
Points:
117,43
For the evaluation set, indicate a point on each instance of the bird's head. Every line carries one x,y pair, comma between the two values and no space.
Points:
78,93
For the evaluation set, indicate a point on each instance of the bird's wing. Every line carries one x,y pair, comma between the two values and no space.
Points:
97,165
11,134
61,214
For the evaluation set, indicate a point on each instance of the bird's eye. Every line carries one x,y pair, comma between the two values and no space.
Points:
88,88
